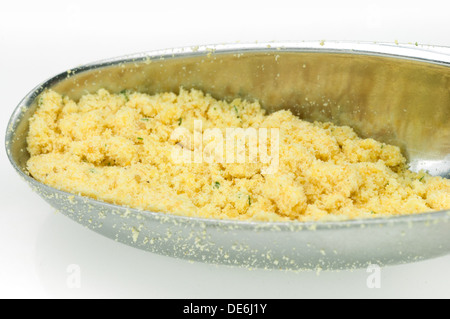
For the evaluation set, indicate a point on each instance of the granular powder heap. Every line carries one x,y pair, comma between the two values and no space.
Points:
119,148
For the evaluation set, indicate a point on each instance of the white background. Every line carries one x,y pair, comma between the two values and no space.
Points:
41,38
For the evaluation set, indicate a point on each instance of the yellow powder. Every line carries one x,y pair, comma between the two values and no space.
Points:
118,148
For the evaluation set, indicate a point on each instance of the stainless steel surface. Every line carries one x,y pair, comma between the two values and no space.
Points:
396,94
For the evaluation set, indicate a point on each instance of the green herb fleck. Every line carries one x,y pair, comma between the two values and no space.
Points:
249,200
216,185
373,213
382,146
416,44
92,170
145,119
125,95
421,179
237,112
180,120
140,138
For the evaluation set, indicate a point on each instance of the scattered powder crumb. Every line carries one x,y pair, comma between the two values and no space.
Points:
135,234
